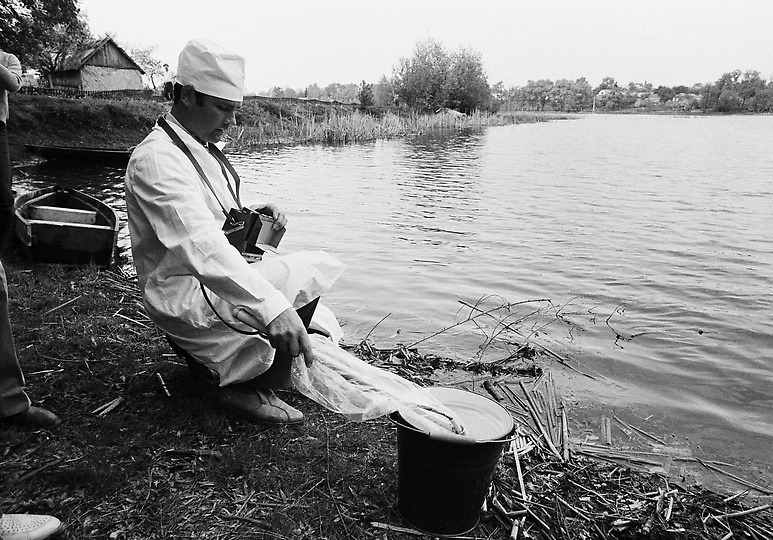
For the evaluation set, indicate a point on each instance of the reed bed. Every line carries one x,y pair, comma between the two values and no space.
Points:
345,126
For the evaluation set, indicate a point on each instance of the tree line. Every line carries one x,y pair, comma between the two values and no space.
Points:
435,79
734,92
42,33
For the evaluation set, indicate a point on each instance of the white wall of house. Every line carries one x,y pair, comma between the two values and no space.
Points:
103,79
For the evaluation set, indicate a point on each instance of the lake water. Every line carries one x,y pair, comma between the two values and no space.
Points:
638,249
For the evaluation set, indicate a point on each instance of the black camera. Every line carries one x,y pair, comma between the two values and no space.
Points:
251,232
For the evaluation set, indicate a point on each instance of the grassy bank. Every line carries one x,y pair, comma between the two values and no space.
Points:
260,121
144,453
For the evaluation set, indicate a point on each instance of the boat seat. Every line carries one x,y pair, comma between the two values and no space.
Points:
202,372
58,214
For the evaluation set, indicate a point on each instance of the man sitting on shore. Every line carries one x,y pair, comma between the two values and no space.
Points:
196,286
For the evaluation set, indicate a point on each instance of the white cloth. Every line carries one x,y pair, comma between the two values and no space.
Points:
344,384
175,222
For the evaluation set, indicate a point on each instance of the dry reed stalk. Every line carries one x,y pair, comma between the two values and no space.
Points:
163,384
102,410
565,434
393,528
606,431
640,431
138,323
195,452
540,425
736,478
60,306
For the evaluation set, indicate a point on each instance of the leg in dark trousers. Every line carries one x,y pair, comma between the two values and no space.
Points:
6,193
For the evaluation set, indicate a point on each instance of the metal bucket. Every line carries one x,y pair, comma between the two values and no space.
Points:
443,480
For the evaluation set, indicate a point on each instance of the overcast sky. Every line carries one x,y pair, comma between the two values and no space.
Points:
294,43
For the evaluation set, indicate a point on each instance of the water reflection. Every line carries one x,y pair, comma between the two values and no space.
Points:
439,176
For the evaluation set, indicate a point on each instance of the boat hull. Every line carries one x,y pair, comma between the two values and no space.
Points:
66,226
107,156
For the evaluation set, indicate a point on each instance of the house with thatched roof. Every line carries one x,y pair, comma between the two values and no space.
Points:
101,66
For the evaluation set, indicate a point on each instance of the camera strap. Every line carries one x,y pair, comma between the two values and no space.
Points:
225,164
218,155
187,151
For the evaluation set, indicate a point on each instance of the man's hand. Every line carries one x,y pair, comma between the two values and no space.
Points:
289,337
280,220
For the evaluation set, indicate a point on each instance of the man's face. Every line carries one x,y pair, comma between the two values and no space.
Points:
212,116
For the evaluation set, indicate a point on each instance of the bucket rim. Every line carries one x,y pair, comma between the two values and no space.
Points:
508,435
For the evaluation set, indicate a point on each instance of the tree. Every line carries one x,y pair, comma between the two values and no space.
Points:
583,94
433,79
763,101
144,57
564,96
748,87
665,93
606,83
729,101
468,88
421,82
41,32
499,96
536,94
313,91
63,41
365,96
383,94
609,95
721,95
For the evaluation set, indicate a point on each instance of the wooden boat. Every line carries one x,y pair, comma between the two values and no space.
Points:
111,156
61,225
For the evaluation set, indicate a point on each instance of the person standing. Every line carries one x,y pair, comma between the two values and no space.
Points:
16,410
10,81
169,77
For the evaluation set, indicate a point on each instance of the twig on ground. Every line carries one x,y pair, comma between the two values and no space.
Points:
30,474
62,305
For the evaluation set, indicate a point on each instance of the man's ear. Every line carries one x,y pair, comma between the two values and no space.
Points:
188,95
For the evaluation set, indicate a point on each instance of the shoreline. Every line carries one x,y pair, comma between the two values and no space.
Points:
132,414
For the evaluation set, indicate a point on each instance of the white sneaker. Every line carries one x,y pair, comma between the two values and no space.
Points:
27,526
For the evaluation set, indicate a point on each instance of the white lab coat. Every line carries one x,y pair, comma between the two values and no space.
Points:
175,222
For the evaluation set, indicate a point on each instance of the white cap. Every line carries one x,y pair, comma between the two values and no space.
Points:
211,70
